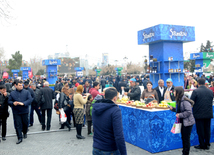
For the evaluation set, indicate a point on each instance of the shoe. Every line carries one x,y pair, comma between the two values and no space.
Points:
198,147
43,129
90,134
78,137
19,141
48,129
207,148
3,138
82,137
30,125
25,136
61,128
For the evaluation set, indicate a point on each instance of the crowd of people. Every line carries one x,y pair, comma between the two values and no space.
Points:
91,101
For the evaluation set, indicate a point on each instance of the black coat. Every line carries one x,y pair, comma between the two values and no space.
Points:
48,95
4,106
8,86
121,84
103,82
36,100
115,84
31,92
203,107
135,93
161,98
20,96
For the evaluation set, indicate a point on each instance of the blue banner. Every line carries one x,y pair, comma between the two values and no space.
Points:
165,32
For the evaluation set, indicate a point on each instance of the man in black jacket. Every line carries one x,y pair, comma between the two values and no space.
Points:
115,84
3,111
19,100
160,89
121,84
46,96
35,105
134,91
103,83
26,87
203,112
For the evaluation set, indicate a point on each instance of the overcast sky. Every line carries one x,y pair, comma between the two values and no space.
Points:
93,27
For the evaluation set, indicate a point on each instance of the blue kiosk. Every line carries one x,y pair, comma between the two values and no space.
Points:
79,72
15,73
51,69
25,71
166,51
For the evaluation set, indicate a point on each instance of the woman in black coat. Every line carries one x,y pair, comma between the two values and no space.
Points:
64,104
184,113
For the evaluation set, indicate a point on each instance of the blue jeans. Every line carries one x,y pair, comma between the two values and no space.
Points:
100,152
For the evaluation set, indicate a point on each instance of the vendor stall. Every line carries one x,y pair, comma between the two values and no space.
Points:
150,129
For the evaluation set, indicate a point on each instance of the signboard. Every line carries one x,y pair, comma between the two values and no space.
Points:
208,55
196,56
25,68
163,32
78,68
50,62
15,70
68,65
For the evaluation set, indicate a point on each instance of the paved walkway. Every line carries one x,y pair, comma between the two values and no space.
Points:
63,142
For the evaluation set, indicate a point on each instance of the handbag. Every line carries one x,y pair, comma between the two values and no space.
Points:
176,128
149,99
63,117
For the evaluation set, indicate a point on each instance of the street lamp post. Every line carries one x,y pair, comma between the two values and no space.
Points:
125,58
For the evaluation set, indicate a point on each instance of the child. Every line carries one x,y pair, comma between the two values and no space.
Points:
88,116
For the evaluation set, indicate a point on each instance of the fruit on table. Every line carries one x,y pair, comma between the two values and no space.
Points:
124,100
150,104
138,103
129,102
119,101
163,104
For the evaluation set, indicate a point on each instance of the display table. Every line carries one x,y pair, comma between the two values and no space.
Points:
150,129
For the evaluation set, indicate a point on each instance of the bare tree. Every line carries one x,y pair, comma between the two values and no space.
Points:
36,64
5,11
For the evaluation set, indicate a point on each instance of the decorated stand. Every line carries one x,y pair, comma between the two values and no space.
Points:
15,73
98,72
51,69
118,70
202,60
79,72
166,51
25,71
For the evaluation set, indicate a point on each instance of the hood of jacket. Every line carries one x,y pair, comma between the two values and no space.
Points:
184,98
98,97
102,105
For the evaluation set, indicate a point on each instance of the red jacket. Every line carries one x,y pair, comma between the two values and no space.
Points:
212,88
94,92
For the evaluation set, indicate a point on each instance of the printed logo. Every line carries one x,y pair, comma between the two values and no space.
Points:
146,36
52,62
180,34
209,56
196,56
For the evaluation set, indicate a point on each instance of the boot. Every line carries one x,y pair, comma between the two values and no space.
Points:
62,126
80,131
68,126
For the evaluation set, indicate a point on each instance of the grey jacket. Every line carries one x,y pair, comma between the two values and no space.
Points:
186,111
